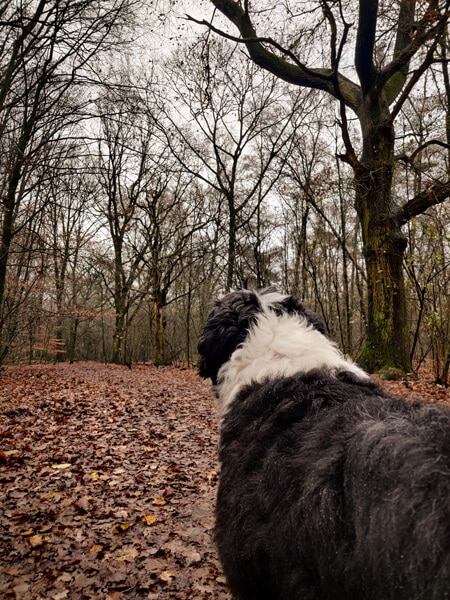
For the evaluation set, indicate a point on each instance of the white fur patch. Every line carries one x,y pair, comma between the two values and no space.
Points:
279,346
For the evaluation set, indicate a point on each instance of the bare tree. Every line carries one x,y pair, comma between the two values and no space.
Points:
46,50
234,136
126,172
171,219
69,227
393,47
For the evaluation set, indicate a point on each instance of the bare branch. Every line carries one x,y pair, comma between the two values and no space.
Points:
423,33
403,38
430,196
293,72
417,74
410,159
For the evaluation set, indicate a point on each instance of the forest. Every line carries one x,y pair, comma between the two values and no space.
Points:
154,155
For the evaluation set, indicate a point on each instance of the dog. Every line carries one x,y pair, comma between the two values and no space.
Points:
329,488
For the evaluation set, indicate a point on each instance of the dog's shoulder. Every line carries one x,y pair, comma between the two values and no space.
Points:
323,400
281,403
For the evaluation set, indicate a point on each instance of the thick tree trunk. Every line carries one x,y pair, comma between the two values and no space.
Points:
121,291
387,341
384,244
60,345
72,342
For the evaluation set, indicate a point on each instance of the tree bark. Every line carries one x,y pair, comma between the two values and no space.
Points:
117,352
6,237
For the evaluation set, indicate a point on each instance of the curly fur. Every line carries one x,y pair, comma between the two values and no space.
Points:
329,489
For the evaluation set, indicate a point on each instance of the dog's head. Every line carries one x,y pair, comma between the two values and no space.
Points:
232,317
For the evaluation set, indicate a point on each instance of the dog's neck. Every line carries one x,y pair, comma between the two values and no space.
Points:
279,346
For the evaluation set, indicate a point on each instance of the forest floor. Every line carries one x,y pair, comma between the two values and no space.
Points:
108,480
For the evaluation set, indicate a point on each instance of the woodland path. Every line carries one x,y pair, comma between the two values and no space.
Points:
108,480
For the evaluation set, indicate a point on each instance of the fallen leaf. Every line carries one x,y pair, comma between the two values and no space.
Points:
150,519
192,557
50,495
83,503
121,527
129,554
22,588
166,576
169,492
36,540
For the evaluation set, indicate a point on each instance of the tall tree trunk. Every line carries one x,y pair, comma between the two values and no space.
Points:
60,355
387,341
5,245
231,258
346,330
121,305
9,203
72,342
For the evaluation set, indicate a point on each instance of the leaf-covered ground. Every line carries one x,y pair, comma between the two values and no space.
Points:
108,480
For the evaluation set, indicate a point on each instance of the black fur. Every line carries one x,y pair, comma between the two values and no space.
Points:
329,489
226,327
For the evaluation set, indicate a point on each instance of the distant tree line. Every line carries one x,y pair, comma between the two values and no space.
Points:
133,192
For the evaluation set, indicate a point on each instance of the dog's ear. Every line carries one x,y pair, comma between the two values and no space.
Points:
314,320
291,305
226,327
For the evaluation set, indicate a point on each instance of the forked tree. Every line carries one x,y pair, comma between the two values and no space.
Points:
375,55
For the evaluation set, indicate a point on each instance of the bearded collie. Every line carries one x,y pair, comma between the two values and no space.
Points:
329,488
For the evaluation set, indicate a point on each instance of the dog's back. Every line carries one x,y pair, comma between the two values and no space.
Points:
330,489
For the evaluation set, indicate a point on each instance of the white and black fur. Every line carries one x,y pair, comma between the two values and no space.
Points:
329,488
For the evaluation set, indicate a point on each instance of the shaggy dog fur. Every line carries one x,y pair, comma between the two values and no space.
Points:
329,488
